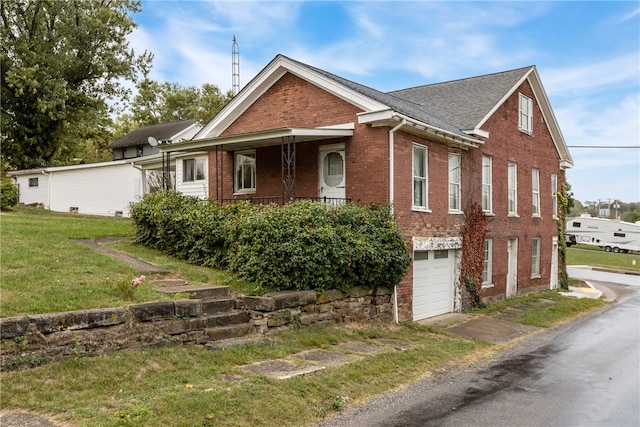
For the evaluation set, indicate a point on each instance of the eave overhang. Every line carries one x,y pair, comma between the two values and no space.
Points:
391,118
266,138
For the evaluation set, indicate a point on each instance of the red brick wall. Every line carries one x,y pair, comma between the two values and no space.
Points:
293,102
507,144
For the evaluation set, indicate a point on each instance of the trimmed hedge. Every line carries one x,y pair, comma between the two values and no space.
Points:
303,245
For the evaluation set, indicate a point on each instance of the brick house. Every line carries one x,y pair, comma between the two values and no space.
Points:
296,131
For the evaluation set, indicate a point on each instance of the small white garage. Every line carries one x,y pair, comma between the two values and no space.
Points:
435,280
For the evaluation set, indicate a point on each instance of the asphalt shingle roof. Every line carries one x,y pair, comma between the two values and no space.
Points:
465,102
408,107
161,132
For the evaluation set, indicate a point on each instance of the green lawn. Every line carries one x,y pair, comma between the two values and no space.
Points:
44,269
596,257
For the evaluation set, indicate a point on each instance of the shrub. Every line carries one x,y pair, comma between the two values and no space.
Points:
8,194
302,245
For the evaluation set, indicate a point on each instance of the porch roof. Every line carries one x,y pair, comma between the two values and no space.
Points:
259,139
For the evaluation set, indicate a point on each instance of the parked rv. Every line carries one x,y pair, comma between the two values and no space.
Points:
612,235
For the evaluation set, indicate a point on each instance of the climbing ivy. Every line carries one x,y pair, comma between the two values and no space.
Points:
565,203
474,234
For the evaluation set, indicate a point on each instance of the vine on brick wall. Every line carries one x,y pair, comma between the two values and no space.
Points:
565,203
474,234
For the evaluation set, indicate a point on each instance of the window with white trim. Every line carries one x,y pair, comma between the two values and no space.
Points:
512,184
535,257
487,196
245,171
525,116
535,192
554,194
193,170
454,182
487,269
420,178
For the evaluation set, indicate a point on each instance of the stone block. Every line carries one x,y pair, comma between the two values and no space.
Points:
188,307
11,327
255,303
155,310
288,299
330,295
218,305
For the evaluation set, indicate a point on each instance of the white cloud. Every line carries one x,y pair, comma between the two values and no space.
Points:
596,76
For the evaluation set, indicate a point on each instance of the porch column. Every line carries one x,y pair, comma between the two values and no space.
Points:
288,168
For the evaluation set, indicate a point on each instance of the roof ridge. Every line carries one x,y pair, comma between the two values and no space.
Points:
462,79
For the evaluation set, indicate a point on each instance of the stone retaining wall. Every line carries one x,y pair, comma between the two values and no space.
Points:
33,340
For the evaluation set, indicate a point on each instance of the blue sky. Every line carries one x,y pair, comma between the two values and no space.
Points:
587,55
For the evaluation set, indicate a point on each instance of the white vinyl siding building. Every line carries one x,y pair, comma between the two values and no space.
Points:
92,189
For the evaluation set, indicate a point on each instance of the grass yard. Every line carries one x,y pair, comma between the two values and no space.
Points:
596,257
45,270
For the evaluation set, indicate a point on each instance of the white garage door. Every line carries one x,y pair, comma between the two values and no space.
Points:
432,283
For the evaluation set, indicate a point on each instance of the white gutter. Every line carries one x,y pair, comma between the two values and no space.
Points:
391,163
392,200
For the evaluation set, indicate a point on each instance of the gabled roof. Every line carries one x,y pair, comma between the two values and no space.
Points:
466,102
367,99
469,103
453,112
161,132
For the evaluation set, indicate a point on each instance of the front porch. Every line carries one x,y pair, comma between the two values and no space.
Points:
276,166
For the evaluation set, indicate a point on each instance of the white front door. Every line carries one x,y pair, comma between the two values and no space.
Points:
512,268
332,171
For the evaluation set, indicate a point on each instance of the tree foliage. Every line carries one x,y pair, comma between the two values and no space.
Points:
168,102
60,60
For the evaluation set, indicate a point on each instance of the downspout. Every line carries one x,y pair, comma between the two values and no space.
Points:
392,200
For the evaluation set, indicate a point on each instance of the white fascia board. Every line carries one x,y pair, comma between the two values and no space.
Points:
261,138
267,78
387,116
550,119
478,132
89,165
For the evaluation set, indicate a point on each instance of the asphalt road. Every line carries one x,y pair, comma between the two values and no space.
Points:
584,373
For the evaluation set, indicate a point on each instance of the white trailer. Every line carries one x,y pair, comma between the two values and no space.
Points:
613,236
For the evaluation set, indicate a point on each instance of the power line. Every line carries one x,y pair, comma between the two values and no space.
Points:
603,146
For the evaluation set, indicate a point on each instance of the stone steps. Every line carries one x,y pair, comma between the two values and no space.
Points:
202,292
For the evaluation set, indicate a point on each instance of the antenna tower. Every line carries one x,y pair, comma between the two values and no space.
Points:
235,67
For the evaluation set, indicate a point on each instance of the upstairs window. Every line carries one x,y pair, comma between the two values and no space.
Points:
525,116
512,184
193,170
419,177
535,192
487,191
245,171
454,182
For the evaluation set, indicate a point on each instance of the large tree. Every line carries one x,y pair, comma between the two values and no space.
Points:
167,102
60,60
